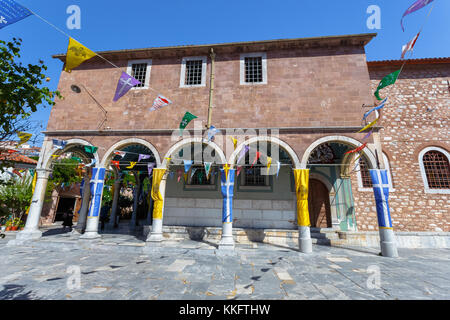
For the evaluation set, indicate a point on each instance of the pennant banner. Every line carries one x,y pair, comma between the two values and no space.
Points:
24,137
126,82
258,155
381,105
409,46
207,168
120,153
76,55
243,152
357,149
60,144
116,163
386,81
150,167
143,157
160,102
132,164
188,117
193,171
187,165
234,142
368,135
90,149
278,167
419,4
11,12
269,162
179,174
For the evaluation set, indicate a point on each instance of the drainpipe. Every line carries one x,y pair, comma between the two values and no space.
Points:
211,88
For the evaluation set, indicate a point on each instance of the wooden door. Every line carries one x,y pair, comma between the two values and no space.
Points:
319,205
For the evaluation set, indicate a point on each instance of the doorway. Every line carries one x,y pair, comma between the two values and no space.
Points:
319,205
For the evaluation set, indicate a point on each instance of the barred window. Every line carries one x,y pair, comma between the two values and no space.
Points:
139,72
365,174
437,170
253,178
193,72
253,69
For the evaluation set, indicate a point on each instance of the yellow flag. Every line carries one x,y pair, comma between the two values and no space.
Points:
54,156
234,142
301,189
76,55
269,162
132,164
24,137
157,197
226,168
369,125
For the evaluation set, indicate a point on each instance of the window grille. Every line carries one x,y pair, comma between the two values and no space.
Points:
193,72
365,174
253,69
139,71
253,177
437,170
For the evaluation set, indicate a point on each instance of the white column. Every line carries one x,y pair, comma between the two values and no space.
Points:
304,239
157,224
31,230
98,180
112,219
81,225
227,188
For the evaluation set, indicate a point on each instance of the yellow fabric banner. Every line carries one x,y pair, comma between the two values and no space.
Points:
24,137
301,190
157,197
76,55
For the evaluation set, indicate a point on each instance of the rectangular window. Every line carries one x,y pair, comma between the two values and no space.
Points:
139,72
253,178
253,69
193,75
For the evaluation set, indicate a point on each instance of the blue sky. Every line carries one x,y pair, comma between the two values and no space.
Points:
114,24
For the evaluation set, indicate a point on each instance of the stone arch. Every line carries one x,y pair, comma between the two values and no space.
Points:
70,142
183,142
123,143
342,139
277,141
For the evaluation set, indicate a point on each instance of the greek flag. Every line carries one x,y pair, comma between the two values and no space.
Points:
381,191
97,181
11,12
227,186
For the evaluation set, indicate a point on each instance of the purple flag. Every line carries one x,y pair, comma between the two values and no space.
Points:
419,4
243,152
143,157
126,82
150,167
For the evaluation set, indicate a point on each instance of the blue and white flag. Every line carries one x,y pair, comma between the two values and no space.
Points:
97,182
381,105
227,186
212,131
380,184
60,144
11,12
187,165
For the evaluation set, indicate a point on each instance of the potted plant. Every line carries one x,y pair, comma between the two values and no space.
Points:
8,225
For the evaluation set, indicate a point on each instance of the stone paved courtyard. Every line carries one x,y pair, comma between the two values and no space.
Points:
122,267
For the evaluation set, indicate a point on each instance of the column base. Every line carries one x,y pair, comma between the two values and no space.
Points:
90,235
304,239
387,243
155,237
226,243
29,235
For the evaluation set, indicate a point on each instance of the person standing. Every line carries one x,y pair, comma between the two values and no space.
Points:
68,217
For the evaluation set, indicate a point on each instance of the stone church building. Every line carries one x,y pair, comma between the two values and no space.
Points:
298,102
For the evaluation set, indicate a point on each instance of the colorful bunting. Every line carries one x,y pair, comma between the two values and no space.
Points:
160,102
409,46
369,125
419,4
258,155
381,105
207,168
187,165
179,173
132,164
90,149
143,157
357,149
193,171
24,137
188,117
11,12
150,167
238,171
59,144
234,142
368,135
120,153
76,158
116,163
387,81
76,55
278,167
243,152
269,162
126,82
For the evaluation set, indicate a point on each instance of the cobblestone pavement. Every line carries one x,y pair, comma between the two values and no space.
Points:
123,267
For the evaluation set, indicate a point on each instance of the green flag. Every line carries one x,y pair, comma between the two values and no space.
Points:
90,149
387,81
76,158
188,117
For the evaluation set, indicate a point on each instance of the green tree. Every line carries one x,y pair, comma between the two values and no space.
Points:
64,171
21,90
15,196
